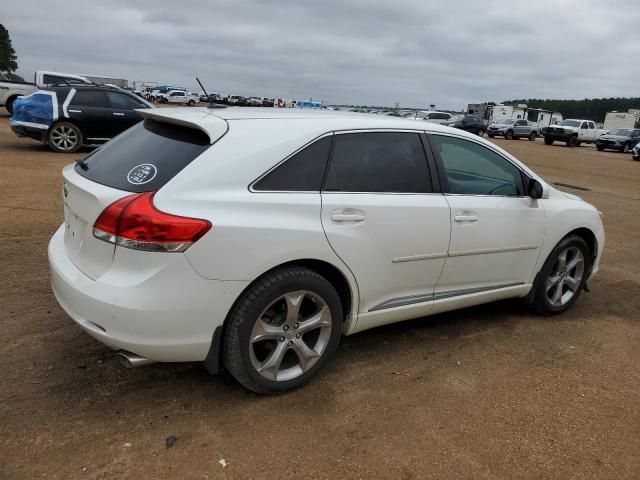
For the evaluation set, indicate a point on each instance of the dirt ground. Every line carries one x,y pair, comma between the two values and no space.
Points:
484,393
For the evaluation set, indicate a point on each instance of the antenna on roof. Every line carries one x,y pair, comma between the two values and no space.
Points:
209,97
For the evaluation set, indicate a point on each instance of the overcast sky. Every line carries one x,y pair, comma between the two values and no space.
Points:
416,53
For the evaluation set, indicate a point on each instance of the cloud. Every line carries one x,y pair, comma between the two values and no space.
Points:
415,53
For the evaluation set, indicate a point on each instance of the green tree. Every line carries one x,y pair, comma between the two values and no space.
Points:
8,57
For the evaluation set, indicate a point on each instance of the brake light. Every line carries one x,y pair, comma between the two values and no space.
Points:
134,222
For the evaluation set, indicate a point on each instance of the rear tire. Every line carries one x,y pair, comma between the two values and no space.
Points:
268,346
533,136
562,277
9,105
64,137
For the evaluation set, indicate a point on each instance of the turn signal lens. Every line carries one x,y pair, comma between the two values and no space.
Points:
134,222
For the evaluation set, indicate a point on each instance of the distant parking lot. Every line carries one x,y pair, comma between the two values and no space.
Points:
489,392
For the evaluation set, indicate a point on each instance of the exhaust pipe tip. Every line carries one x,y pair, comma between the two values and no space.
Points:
131,360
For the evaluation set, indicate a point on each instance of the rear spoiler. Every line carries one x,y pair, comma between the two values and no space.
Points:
214,127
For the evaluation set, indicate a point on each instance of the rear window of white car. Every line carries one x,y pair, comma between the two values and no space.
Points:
145,157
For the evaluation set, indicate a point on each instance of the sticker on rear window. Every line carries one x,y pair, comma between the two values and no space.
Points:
141,174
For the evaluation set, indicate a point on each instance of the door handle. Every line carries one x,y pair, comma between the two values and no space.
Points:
119,114
466,218
75,111
347,217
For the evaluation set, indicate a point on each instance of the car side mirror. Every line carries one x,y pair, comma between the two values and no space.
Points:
535,189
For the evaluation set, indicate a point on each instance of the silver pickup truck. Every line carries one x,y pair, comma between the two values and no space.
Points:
511,128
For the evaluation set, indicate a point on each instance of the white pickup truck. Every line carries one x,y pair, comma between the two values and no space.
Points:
573,132
180,96
10,90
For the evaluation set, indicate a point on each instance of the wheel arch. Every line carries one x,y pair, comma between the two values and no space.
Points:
346,291
588,236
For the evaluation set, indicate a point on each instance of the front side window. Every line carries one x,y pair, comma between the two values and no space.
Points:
473,169
391,162
303,172
121,101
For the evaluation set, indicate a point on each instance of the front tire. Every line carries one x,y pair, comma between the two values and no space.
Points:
548,141
599,148
562,277
283,330
64,137
508,135
572,142
626,148
191,103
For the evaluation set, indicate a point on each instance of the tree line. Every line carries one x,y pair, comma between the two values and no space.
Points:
589,109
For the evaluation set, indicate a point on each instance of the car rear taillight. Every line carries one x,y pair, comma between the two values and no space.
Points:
133,222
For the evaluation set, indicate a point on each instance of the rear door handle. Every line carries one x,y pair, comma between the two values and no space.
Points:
75,111
119,114
466,218
347,217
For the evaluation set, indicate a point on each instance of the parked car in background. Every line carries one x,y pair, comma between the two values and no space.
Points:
180,97
620,139
437,117
469,123
70,116
573,132
254,101
237,100
510,128
11,90
267,102
269,282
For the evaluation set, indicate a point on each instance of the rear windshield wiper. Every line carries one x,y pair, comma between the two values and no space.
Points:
80,162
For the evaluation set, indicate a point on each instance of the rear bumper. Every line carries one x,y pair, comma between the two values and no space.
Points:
31,132
166,314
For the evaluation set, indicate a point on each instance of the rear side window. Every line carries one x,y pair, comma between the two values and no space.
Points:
392,162
144,157
90,98
303,172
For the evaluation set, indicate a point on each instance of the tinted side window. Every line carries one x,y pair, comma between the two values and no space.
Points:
303,172
472,169
90,98
119,100
378,162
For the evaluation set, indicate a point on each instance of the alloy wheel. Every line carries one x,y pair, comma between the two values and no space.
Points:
290,335
565,277
64,137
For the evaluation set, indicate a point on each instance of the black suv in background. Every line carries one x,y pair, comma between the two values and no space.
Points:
68,116
621,139
470,123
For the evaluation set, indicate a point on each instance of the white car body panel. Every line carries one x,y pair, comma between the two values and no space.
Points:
408,252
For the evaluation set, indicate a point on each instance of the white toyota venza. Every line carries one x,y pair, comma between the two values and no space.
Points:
255,238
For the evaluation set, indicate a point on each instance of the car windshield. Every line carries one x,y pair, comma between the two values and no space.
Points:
571,123
623,132
507,121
